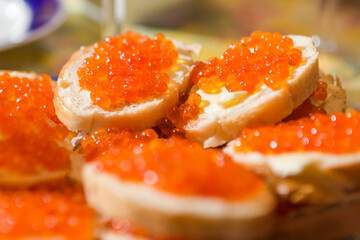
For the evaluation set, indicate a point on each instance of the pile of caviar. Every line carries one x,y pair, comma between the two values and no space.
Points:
100,141
175,165
30,132
338,133
127,68
45,212
262,58
178,116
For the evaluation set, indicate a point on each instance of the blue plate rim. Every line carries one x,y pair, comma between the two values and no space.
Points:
56,20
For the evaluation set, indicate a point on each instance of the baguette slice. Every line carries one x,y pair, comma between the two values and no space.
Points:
305,177
192,217
14,177
219,124
76,110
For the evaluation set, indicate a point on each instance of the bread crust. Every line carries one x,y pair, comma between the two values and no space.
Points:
218,125
307,177
76,110
161,213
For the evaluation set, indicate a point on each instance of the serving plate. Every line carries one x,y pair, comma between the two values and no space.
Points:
23,21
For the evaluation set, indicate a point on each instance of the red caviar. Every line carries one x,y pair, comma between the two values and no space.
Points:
338,133
262,58
320,93
30,132
178,116
102,139
178,166
127,68
45,212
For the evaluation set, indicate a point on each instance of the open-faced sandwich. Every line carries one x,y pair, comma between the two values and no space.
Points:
176,189
33,143
129,80
259,80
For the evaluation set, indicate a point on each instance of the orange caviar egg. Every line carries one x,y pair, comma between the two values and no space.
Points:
190,110
262,58
30,132
320,93
175,165
45,212
338,133
127,68
166,126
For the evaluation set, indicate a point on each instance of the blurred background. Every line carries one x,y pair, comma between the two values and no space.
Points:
41,35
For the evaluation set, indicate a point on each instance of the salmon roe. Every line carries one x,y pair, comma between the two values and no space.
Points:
103,138
338,133
127,68
262,58
30,132
178,116
175,165
45,212
320,93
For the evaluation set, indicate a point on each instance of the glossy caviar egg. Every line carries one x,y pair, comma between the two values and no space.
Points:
338,134
261,58
45,212
30,133
175,165
320,93
127,68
